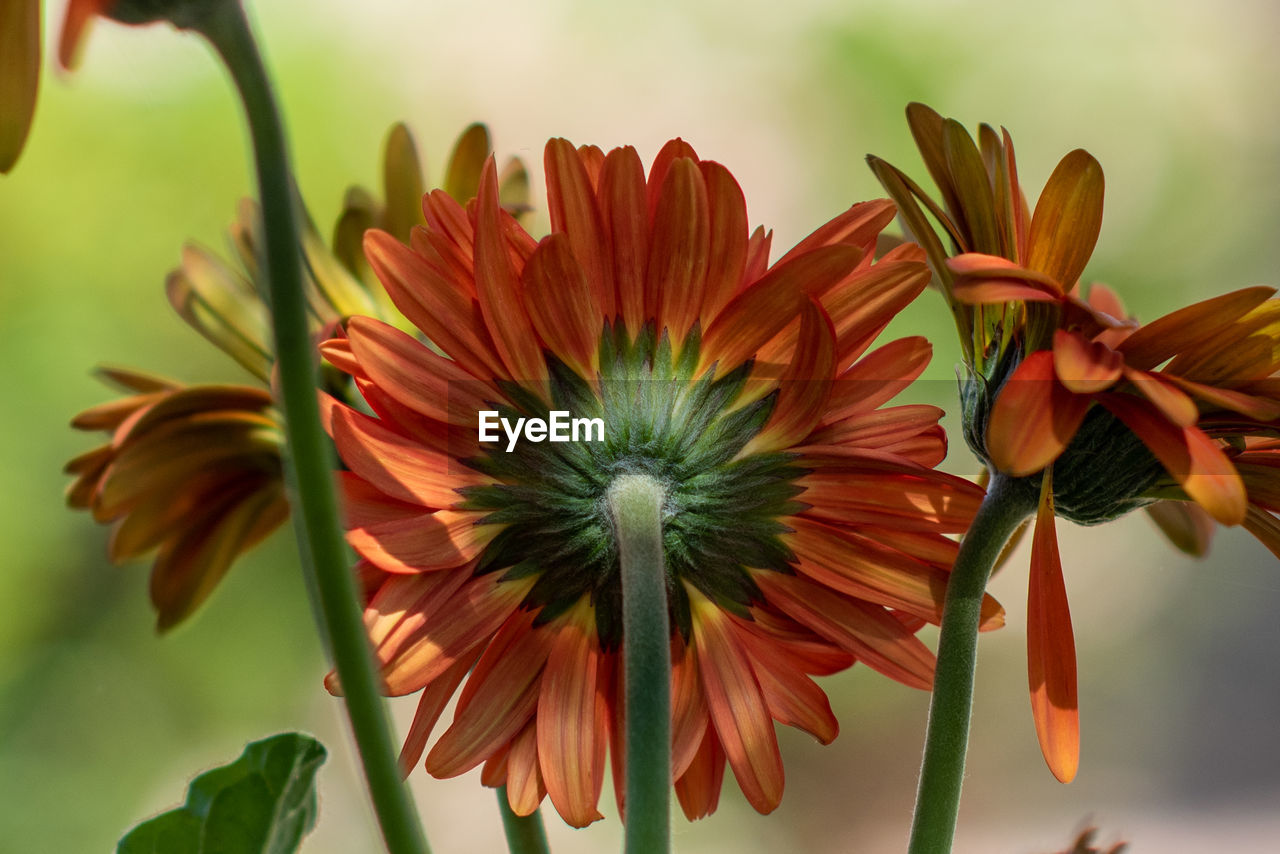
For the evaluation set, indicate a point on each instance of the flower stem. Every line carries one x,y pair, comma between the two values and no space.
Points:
635,505
309,464
525,833
1007,504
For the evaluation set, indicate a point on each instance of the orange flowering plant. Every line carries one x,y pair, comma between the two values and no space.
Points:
1076,409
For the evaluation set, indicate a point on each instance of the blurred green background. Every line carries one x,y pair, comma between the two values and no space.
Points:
101,722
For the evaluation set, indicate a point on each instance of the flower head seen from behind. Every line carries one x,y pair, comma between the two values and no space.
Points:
804,526
194,472
1097,414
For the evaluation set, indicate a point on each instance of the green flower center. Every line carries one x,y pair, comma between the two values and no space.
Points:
722,513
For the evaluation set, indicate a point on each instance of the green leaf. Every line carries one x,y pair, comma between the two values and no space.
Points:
263,803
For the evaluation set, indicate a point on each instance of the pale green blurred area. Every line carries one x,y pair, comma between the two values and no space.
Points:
102,722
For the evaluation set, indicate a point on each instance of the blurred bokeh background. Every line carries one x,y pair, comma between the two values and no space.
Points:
102,722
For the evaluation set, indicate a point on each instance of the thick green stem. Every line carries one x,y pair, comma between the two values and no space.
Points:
1007,504
525,833
309,464
635,504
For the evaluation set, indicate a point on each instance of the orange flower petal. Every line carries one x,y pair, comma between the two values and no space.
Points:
859,226
1265,527
804,387
1195,461
563,307
1252,405
399,466
79,15
688,711
434,540
498,291
946,502
431,385
1084,366
877,428
1067,219
571,203
570,750
500,697
794,699
1165,337
525,786
727,252
878,377
698,788
737,707
1051,649
432,702
767,306
1173,403
670,152
446,313
626,223
983,278
1034,418
867,631
679,246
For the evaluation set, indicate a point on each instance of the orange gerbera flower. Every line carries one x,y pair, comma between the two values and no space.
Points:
1174,407
194,472
804,525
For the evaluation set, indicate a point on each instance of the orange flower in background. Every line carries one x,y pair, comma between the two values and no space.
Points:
194,473
804,525
1099,414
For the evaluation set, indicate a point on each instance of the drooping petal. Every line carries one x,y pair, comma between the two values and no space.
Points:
1034,418
1051,649
430,704
698,788
737,707
982,279
20,48
867,631
1084,366
570,750
792,697
1187,525
688,709
525,786
500,697
1173,403
1195,461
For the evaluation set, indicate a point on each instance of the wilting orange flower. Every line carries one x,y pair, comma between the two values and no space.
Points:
804,525
195,472
1174,406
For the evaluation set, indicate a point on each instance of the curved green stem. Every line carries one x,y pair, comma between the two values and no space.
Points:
525,833
309,464
635,505
1007,504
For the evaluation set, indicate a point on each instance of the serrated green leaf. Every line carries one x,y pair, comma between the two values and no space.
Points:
263,803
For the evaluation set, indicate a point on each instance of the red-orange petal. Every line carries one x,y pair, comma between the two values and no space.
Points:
525,786
430,704
879,376
400,467
1173,403
983,278
570,749
688,709
564,308
1167,336
679,246
440,540
737,707
869,632
804,387
498,289
698,789
500,697
624,207
858,226
792,697
762,310
1051,649
571,202
1186,525
1084,366
1195,460
1034,418
727,252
